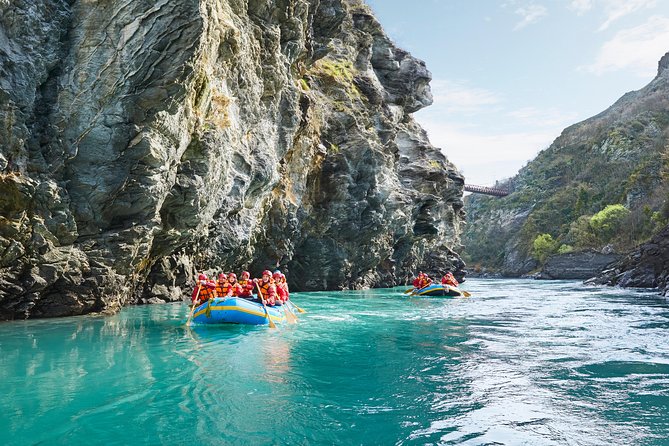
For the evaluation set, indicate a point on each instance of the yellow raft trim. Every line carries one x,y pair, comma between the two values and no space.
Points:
449,289
243,310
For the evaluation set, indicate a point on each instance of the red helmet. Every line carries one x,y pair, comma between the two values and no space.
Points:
283,276
245,275
232,276
276,275
202,276
222,276
267,273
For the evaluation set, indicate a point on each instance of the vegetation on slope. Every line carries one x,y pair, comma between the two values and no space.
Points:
603,182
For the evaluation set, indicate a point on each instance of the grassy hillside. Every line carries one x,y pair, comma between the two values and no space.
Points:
603,182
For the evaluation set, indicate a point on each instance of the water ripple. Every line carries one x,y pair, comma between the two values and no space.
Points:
521,362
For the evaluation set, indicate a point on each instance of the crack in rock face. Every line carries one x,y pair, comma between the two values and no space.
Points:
143,141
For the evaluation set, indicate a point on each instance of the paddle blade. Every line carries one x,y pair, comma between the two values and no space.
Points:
409,290
300,310
466,294
290,316
190,316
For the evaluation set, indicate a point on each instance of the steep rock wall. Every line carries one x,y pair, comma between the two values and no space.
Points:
144,140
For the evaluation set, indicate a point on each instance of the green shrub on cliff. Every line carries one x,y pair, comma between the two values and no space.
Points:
565,249
580,233
607,222
543,246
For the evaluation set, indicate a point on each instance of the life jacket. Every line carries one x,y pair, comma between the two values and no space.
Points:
282,290
220,287
449,279
234,289
422,283
225,289
246,288
416,282
195,293
205,293
268,290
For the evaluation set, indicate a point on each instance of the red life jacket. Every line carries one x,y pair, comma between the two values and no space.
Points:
196,293
246,288
282,291
449,279
234,289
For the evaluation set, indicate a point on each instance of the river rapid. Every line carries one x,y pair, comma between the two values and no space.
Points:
521,362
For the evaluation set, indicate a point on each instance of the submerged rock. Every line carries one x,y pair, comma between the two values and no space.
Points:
145,140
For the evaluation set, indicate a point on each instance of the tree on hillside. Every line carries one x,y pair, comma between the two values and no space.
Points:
543,246
608,221
581,233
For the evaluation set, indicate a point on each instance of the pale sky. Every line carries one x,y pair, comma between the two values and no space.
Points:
510,75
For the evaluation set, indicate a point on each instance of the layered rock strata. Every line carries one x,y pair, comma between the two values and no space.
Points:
576,265
144,140
647,266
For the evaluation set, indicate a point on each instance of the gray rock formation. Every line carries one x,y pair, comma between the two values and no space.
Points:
645,267
576,265
144,140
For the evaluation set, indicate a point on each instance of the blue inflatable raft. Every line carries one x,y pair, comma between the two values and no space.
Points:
437,290
235,310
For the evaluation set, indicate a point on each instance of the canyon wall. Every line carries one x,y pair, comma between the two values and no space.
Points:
142,141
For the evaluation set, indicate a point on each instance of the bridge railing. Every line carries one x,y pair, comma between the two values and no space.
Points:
496,192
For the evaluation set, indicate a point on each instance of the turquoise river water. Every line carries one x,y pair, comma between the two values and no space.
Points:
521,362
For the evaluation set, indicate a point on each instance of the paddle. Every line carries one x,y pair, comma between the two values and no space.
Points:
190,316
296,307
462,292
290,316
262,300
416,290
409,290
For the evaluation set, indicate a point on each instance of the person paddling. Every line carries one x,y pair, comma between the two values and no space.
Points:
221,284
207,290
246,286
267,288
233,286
421,281
282,287
416,281
449,279
281,292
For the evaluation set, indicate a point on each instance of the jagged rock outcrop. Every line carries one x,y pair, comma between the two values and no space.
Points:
576,265
142,140
618,157
647,266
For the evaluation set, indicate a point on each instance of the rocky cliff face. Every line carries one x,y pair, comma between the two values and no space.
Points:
576,265
620,156
143,140
647,266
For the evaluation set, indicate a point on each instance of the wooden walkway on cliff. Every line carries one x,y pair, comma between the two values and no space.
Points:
495,192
